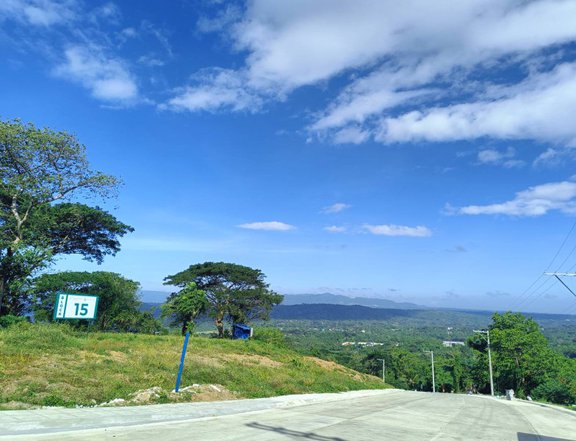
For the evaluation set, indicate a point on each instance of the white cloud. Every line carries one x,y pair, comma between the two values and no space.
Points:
335,208
535,201
268,226
538,108
397,230
502,158
216,90
403,68
107,78
39,12
350,135
335,229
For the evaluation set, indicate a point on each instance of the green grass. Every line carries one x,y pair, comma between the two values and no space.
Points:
54,365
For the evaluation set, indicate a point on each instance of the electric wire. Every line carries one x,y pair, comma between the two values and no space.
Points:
531,294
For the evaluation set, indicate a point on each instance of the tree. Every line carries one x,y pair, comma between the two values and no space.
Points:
136,322
185,306
118,295
234,292
39,170
521,356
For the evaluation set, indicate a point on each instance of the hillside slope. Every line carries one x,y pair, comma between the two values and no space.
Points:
54,365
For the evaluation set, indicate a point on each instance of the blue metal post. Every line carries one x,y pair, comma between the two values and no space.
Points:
181,362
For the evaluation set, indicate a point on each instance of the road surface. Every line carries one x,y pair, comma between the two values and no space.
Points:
365,415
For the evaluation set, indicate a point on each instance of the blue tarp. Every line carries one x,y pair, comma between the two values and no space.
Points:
241,331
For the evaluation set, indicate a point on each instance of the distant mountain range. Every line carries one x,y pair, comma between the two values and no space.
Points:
312,311
335,299
153,296
308,299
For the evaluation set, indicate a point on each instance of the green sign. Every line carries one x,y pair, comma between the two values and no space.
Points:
75,306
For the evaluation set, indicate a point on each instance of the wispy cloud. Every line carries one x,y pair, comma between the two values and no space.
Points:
268,226
335,208
397,230
535,201
335,229
106,77
457,249
215,90
44,13
496,157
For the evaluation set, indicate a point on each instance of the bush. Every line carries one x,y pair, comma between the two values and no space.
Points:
270,335
9,320
554,391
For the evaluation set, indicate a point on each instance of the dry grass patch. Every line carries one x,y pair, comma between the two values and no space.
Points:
250,359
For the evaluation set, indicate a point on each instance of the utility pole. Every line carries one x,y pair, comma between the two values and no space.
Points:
383,369
433,378
487,332
557,275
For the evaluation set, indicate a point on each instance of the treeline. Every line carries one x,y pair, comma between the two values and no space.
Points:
522,358
226,292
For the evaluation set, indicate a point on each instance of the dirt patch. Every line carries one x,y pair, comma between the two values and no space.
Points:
324,364
208,361
87,355
17,405
194,393
146,396
61,387
205,392
117,356
253,360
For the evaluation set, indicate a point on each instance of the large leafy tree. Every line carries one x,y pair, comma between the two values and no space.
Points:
40,170
118,295
521,355
234,292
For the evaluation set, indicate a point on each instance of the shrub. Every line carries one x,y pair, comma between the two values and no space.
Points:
554,392
9,320
270,335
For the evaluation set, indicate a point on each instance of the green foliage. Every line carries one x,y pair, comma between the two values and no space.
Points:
234,292
39,168
25,338
135,321
9,320
523,360
269,335
554,391
118,296
522,356
72,228
185,306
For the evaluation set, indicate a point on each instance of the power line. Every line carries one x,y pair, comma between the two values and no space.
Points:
561,281
533,294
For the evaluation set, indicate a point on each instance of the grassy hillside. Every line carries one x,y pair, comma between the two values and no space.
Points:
55,365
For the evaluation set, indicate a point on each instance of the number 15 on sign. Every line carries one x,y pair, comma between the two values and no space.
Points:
75,306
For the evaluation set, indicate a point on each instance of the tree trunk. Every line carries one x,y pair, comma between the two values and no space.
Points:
1,295
220,327
5,282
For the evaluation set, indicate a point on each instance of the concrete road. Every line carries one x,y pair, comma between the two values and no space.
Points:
365,415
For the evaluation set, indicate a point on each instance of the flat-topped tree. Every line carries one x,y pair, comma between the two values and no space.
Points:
40,169
234,292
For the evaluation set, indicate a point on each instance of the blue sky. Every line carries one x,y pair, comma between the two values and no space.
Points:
419,151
